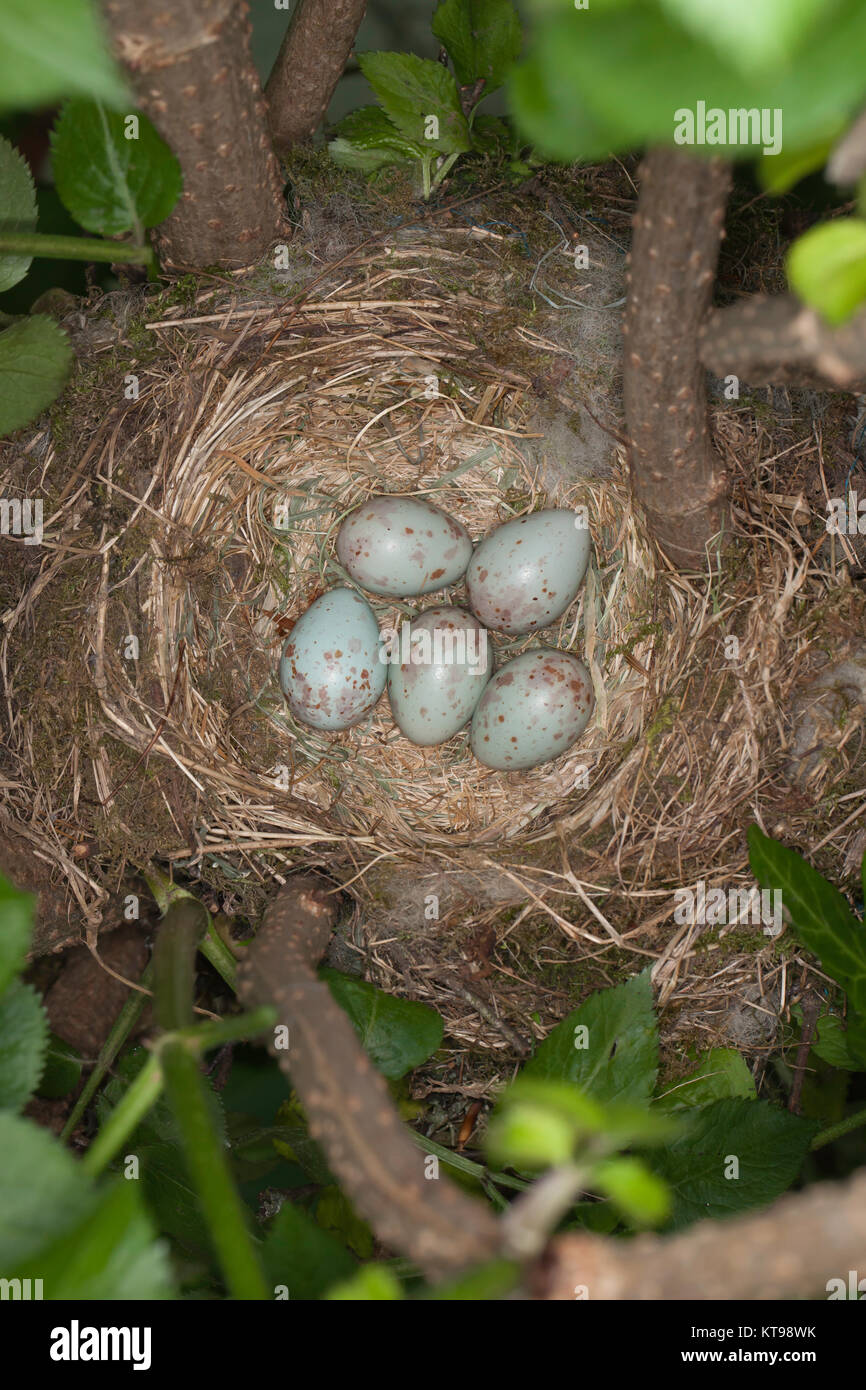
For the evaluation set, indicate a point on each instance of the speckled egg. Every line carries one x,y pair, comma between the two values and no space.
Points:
439,671
526,573
330,670
532,710
401,547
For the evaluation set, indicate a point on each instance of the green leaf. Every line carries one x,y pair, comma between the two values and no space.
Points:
778,173
396,1034
23,1040
608,1046
641,1196
538,1123
483,39
112,1254
62,1069
721,1074
111,184
334,1212
168,1189
51,50
365,161
827,268
372,1284
35,360
16,926
412,90
43,1191
299,1254
18,204
603,81
369,128
752,36
838,1045
731,1156
819,913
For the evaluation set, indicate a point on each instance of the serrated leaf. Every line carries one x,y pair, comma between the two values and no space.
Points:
396,1034
640,1195
732,1156
364,161
112,1254
298,1253
108,183
23,1040
412,90
35,359
43,1191
369,128
819,913
17,210
16,929
616,1057
721,1074
51,50
753,36
483,39
827,268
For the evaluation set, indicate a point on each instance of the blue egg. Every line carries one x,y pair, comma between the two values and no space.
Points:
532,710
527,572
331,670
401,547
437,674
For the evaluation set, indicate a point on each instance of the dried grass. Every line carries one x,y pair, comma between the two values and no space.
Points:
248,405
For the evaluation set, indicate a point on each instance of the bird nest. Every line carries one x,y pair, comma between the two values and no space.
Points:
199,522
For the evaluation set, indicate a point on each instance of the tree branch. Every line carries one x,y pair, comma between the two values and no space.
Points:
790,1251
309,65
776,339
675,471
191,68
350,1110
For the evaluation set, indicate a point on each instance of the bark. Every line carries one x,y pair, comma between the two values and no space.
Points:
349,1107
776,340
676,473
790,1251
309,65
190,66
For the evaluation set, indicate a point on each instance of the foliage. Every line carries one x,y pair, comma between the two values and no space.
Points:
113,172
619,75
428,114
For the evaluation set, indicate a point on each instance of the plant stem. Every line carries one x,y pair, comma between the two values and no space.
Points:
443,172
209,1170
827,1136
74,248
238,1027
123,1026
124,1118
466,1165
425,175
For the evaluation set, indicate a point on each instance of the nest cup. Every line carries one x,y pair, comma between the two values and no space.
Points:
263,486
258,426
